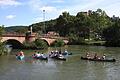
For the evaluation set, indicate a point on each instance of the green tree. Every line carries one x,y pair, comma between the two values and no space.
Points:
64,23
99,21
75,39
82,25
58,43
111,34
29,45
40,44
21,30
3,50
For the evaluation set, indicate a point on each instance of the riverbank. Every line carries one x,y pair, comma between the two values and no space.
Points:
96,43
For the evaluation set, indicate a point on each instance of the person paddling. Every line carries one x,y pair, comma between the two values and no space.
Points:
95,56
20,53
104,56
88,55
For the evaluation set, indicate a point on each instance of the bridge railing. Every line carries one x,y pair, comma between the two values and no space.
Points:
13,35
16,34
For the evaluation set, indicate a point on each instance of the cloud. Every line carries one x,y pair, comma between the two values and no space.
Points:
113,9
83,5
87,4
10,17
54,10
35,4
9,3
37,19
58,1
48,9
39,5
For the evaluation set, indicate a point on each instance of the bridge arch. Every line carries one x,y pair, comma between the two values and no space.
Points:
49,41
14,43
44,41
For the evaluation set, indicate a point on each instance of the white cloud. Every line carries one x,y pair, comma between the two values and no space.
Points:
38,5
111,7
54,10
35,4
37,19
48,9
10,17
58,1
88,4
9,3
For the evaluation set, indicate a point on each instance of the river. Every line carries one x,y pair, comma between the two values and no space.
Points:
72,69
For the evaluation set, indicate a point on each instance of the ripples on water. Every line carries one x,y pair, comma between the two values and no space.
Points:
72,69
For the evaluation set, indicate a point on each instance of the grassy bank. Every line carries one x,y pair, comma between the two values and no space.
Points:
97,43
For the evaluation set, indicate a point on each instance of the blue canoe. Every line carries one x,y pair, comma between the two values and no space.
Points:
20,57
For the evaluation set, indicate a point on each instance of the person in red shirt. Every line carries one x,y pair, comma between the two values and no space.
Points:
20,53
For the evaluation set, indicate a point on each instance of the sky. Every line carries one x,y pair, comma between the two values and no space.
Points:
27,12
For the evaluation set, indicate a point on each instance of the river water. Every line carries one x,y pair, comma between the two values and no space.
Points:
72,69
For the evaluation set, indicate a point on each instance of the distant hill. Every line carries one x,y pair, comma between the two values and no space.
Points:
40,26
16,28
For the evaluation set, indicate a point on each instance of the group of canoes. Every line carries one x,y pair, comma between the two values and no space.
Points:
53,54
59,55
36,55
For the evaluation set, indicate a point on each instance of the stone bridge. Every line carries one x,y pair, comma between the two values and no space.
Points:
20,38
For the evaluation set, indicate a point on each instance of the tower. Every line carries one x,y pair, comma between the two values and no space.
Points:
31,29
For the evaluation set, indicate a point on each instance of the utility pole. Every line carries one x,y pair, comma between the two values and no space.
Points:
31,29
44,21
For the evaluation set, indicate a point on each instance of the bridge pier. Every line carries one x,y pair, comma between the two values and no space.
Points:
30,37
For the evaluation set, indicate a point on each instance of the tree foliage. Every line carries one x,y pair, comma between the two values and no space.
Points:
58,43
40,44
112,34
91,25
29,45
37,44
17,29
3,50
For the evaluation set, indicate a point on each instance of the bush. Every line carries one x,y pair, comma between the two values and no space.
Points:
37,44
76,40
58,43
29,45
40,44
3,50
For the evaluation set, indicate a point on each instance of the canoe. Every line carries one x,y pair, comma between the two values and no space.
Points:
20,57
41,58
66,53
58,58
61,58
102,60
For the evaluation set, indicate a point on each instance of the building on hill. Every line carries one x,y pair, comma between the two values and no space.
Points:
52,33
